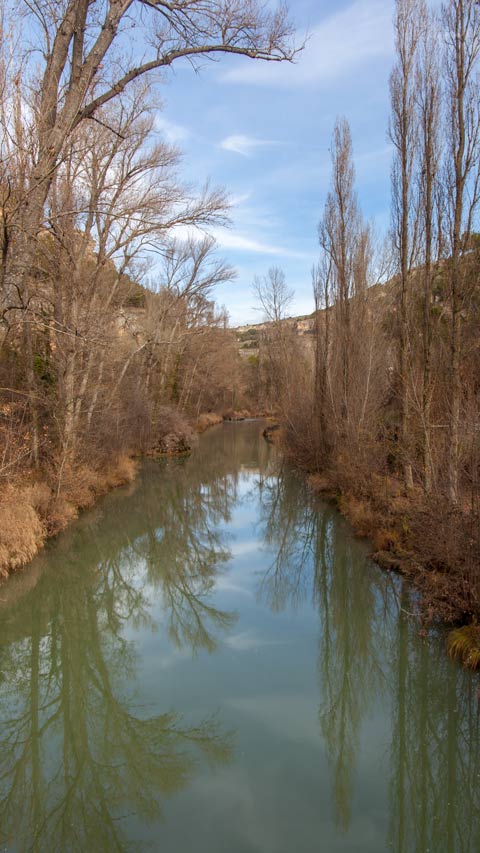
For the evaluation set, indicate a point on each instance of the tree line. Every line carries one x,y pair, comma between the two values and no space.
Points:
92,208
387,409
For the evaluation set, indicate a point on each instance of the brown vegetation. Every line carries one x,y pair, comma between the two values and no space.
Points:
207,420
463,644
95,367
29,514
384,410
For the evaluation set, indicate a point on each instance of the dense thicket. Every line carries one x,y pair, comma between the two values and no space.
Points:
388,407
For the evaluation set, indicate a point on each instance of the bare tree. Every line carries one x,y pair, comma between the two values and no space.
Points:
273,294
274,297
81,73
322,285
403,131
181,309
338,235
114,200
461,20
80,68
428,94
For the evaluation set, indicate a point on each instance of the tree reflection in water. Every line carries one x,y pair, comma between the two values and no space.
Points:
79,756
86,760
371,655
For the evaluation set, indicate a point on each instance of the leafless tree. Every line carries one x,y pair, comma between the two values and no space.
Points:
322,286
408,23
461,19
82,73
338,236
274,298
80,67
428,95
273,294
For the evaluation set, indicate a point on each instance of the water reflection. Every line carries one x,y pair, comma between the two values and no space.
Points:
79,753
371,656
91,750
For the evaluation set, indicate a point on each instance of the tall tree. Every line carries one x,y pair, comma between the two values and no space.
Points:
322,283
83,66
428,94
80,73
408,21
461,20
338,235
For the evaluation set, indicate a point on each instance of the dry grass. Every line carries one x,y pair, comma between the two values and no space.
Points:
30,513
122,471
463,644
359,513
81,485
61,514
207,420
22,531
237,415
386,539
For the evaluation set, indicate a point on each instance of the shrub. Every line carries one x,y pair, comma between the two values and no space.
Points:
463,644
21,529
208,419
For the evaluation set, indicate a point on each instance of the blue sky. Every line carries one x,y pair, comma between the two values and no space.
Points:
263,130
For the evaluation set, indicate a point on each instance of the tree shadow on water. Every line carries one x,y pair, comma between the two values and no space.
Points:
82,758
373,660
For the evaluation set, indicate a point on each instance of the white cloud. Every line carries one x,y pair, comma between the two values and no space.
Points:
360,33
240,199
244,145
172,132
276,711
244,243
226,239
249,640
239,549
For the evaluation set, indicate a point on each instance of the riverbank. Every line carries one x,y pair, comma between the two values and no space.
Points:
412,536
405,531
32,511
408,537
33,508
421,538
215,622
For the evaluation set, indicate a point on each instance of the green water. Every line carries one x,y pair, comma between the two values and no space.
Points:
207,661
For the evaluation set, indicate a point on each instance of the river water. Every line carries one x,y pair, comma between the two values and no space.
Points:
208,662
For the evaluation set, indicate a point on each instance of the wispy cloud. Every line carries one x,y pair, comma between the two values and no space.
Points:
250,639
171,131
240,199
245,243
238,242
245,145
353,36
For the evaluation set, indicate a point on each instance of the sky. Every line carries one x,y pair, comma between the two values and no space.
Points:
263,131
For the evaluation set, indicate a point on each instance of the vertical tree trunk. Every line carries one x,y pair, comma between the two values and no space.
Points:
429,107
403,132
404,273
321,283
463,27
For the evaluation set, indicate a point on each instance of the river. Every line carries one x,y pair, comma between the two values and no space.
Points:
208,661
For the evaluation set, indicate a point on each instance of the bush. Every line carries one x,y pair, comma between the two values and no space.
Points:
208,419
463,644
172,433
21,529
